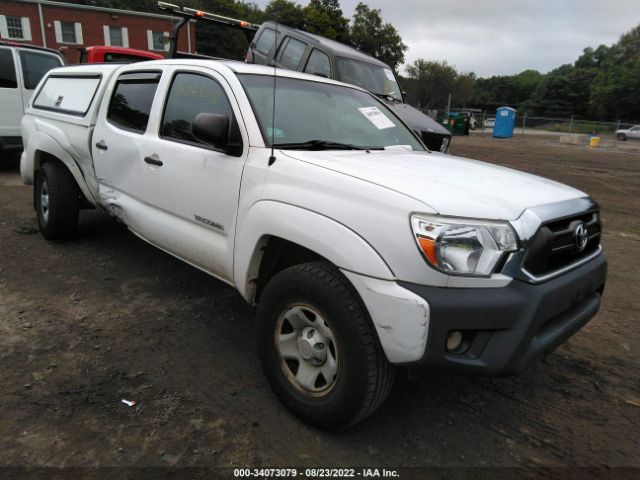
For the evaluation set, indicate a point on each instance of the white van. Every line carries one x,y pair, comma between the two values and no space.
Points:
21,68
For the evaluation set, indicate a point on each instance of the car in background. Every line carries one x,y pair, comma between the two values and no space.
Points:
21,69
317,55
632,133
489,122
103,54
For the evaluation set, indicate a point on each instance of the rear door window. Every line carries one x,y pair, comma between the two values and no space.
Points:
292,53
266,41
35,65
7,69
318,64
132,99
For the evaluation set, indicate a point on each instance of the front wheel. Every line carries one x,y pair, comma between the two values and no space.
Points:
318,347
57,201
622,137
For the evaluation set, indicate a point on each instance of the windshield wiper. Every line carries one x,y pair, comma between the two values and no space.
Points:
321,145
387,96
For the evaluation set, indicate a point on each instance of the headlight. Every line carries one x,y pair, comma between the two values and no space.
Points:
461,246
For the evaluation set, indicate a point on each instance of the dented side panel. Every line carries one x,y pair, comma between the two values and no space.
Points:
400,317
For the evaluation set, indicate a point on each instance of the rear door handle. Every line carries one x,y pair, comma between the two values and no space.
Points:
101,145
153,161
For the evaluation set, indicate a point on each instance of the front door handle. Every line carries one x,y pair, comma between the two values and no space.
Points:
101,145
153,161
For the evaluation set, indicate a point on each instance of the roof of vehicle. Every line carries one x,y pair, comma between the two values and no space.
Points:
337,48
233,65
8,43
84,68
239,67
123,50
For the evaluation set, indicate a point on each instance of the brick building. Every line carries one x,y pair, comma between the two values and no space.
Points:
67,27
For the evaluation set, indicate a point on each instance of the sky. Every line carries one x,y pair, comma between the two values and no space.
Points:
503,37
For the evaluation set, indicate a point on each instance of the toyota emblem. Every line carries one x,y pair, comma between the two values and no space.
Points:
582,236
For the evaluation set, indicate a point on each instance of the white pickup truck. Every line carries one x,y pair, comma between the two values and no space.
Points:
361,249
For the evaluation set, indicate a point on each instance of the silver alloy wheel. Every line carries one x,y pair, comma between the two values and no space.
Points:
44,201
308,349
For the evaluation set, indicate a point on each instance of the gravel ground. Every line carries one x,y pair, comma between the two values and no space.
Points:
86,323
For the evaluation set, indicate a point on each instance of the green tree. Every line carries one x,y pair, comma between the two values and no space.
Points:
511,90
551,96
286,12
370,34
614,90
430,83
325,18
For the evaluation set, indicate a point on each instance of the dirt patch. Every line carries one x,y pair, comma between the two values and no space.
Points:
86,323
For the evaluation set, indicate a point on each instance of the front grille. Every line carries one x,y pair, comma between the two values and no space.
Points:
554,245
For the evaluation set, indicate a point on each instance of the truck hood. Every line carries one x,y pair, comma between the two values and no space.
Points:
416,119
448,185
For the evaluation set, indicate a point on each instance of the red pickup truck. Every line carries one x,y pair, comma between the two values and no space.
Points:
100,54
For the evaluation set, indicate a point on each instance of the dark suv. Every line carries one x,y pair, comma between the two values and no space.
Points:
306,52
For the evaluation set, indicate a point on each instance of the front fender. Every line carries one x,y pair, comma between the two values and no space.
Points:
322,235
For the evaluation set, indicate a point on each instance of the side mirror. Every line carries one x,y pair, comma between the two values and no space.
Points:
211,128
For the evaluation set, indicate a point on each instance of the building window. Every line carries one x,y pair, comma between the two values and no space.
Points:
15,28
156,41
158,44
68,32
116,36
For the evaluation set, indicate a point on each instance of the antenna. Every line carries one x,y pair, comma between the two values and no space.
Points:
272,158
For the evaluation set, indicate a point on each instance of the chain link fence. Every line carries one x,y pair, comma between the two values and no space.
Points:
550,126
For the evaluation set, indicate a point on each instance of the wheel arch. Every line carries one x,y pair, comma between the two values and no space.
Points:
276,235
42,149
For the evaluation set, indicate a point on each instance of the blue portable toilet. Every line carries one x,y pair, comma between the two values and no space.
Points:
505,121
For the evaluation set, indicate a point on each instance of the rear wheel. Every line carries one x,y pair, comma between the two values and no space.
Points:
318,347
57,201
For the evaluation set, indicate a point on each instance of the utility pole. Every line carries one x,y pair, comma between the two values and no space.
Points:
449,105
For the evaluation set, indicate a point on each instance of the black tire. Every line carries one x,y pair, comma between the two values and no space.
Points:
622,137
59,220
364,377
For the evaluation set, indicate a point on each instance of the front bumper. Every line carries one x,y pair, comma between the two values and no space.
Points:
507,329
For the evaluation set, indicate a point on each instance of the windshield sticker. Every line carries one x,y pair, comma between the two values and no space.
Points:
389,73
275,132
375,116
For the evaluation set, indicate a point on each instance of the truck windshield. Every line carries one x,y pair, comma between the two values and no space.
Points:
375,78
313,115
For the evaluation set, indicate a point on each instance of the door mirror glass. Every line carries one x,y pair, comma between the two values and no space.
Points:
211,128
